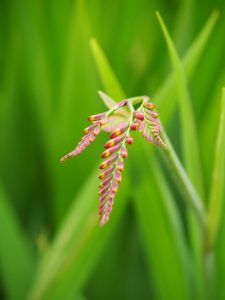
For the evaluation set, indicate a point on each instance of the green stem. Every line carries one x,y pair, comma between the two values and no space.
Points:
185,183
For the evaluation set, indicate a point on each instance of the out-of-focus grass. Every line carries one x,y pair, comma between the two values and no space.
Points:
48,84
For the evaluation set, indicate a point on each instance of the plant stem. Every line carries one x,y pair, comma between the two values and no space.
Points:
185,183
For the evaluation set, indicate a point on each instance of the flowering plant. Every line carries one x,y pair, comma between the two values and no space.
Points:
119,123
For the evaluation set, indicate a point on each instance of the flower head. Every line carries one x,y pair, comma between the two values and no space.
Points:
119,123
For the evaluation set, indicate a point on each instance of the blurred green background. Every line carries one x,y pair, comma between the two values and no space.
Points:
51,246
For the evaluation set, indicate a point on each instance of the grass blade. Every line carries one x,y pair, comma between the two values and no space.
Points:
188,126
216,193
191,158
107,75
165,95
17,261
172,267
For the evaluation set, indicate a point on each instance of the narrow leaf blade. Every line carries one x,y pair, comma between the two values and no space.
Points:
216,198
107,75
188,126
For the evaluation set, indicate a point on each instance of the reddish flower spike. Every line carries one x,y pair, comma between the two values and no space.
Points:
150,126
120,137
145,119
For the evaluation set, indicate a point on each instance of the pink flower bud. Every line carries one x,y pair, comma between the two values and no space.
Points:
118,176
114,187
124,152
103,190
108,161
96,117
106,172
139,115
118,131
120,165
89,128
113,142
129,140
134,126
110,151
105,181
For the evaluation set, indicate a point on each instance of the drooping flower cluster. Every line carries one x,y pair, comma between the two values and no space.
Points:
119,123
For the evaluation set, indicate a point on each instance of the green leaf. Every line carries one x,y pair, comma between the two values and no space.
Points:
191,157
164,252
188,125
165,95
17,261
216,198
107,75
183,181
68,263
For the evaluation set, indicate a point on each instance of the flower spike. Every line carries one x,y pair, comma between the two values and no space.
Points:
119,123
117,166
150,125
89,135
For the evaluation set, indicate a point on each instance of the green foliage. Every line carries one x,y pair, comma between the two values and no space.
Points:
153,247
17,259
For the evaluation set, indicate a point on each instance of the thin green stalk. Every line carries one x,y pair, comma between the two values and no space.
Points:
216,194
184,182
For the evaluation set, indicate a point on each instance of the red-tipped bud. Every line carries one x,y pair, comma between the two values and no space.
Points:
134,126
139,115
118,176
105,181
118,131
129,140
108,162
90,128
124,152
114,187
106,172
120,165
113,142
96,117
149,105
103,190
110,151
